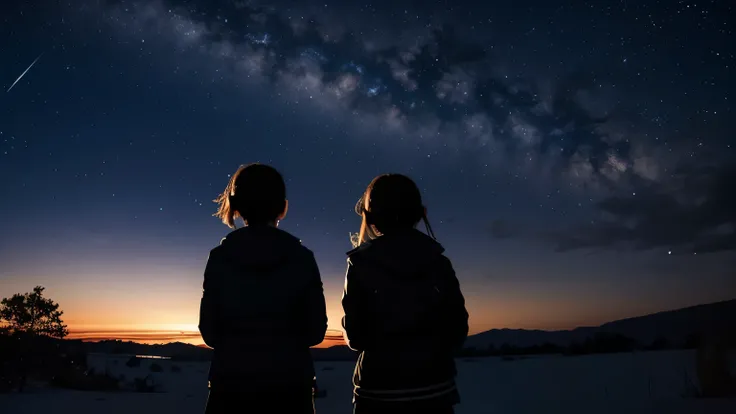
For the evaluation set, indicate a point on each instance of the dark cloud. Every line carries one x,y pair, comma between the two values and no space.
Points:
694,213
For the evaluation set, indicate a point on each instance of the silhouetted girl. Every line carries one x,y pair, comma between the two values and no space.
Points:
404,311
263,304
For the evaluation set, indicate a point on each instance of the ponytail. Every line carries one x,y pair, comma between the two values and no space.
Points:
428,226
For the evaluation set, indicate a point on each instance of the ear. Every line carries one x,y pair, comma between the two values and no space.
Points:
286,209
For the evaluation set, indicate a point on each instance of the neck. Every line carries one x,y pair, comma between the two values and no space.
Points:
266,224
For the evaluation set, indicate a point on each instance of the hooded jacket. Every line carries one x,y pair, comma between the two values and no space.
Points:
405,314
262,308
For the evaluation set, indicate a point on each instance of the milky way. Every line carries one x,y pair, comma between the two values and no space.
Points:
603,115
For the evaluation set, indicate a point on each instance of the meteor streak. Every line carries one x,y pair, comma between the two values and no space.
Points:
24,72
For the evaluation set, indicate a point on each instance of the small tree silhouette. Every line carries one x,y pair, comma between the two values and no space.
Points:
33,314
28,317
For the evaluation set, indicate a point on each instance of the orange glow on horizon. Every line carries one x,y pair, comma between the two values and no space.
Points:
166,310
167,336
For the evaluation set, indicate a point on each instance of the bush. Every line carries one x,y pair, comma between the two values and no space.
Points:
659,344
77,379
175,368
9,363
8,380
145,384
133,362
713,370
156,367
24,357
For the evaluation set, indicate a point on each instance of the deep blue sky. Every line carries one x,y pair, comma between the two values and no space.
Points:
576,158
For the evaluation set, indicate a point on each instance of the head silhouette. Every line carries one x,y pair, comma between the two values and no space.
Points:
391,203
256,193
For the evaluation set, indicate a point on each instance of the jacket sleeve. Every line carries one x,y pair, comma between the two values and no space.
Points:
208,304
356,321
456,322
316,310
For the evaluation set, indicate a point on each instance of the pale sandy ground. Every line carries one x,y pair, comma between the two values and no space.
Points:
651,382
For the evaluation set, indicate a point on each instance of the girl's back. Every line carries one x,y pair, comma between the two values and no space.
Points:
262,304
264,308
403,307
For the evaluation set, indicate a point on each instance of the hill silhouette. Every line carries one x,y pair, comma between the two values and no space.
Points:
674,327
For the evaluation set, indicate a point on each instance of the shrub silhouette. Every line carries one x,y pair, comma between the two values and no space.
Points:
156,367
133,362
713,370
75,378
659,343
145,384
30,322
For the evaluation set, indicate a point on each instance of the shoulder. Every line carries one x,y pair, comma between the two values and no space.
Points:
444,261
299,249
215,266
358,254
444,271
216,251
442,264
305,253
286,234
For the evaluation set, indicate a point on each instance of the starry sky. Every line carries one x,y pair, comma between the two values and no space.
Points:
577,159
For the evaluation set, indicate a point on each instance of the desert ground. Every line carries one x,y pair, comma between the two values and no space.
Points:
642,382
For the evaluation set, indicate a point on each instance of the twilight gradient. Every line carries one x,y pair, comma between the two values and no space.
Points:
572,156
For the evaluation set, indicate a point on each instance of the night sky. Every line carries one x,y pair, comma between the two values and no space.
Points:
577,159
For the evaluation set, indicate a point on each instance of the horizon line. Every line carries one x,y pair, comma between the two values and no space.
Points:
161,336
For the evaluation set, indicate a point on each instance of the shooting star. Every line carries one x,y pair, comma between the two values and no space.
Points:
24,72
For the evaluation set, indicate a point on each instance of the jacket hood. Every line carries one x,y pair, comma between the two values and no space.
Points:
262,247
405,253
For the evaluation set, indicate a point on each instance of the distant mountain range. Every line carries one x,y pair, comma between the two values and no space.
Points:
184,351
673,326
178,350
